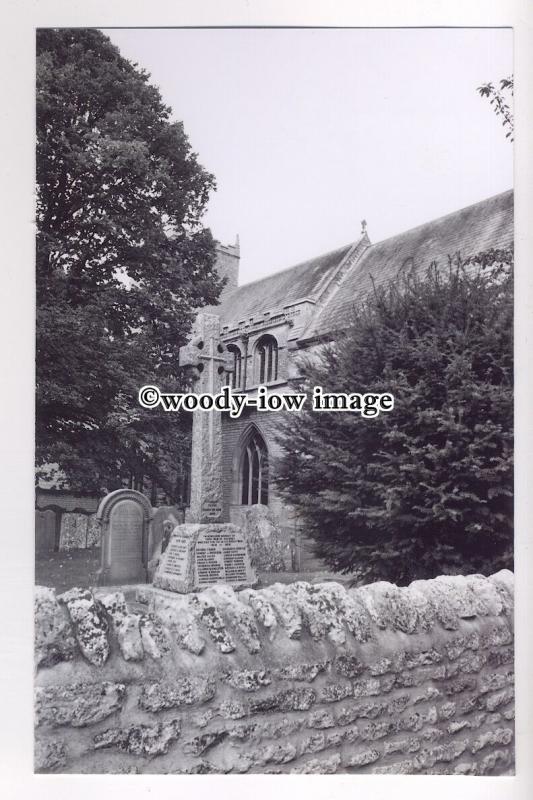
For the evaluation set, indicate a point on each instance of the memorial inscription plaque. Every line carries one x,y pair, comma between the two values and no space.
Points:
211,511
125,517
199,556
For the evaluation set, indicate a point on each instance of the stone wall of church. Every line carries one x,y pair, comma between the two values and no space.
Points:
299,551
227,265
286,679
233,433
250,373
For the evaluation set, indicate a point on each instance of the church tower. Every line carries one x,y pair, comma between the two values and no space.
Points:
227,264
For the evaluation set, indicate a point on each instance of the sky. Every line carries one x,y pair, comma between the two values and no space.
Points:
310,131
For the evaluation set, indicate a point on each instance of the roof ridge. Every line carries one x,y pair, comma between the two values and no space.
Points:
434,220
487,223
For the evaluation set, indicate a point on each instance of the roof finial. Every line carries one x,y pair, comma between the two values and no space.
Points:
363,226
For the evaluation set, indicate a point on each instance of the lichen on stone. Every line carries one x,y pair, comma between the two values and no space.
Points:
352,611
302,672
50,755
54,639
285,608
154,638
210,617
349,666
319,610
362,758
143,740
78,704
249,680
124,624
239,615
262,609
317,766
299,699
200,744
90,624
159,695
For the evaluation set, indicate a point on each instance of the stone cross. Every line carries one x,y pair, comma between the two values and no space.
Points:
205,352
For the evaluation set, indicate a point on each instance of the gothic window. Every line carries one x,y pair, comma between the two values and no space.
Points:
254,471
267,359
235,375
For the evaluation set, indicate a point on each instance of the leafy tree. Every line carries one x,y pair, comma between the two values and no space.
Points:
498,98
122,262
426,488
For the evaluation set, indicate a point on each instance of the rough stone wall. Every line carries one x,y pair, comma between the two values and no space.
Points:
285,679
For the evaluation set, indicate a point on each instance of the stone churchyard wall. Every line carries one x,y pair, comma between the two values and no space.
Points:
292,678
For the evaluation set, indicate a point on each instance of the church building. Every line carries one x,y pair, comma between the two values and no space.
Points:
268,323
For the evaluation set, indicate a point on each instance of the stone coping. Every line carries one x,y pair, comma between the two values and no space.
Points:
88,624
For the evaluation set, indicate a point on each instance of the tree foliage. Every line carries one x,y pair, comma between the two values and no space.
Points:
426,488
123,260
498,99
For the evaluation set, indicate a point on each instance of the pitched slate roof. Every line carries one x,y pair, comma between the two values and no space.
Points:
276,291
478,227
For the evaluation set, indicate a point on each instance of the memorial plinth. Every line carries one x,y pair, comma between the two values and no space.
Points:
200,555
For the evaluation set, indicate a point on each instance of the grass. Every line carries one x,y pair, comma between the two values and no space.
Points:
70,568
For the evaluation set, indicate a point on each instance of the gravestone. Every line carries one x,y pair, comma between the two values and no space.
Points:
73,534
199,556
269,545
45,532
93,531
163,515
124,517
206,550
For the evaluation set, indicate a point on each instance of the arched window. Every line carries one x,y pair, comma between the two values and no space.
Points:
235,375
254,470
266,359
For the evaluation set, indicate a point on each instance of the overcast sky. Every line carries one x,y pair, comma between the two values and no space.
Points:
309,131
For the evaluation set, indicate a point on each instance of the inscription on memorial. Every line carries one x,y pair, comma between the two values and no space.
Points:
221,558
211,510
176,560
199,556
